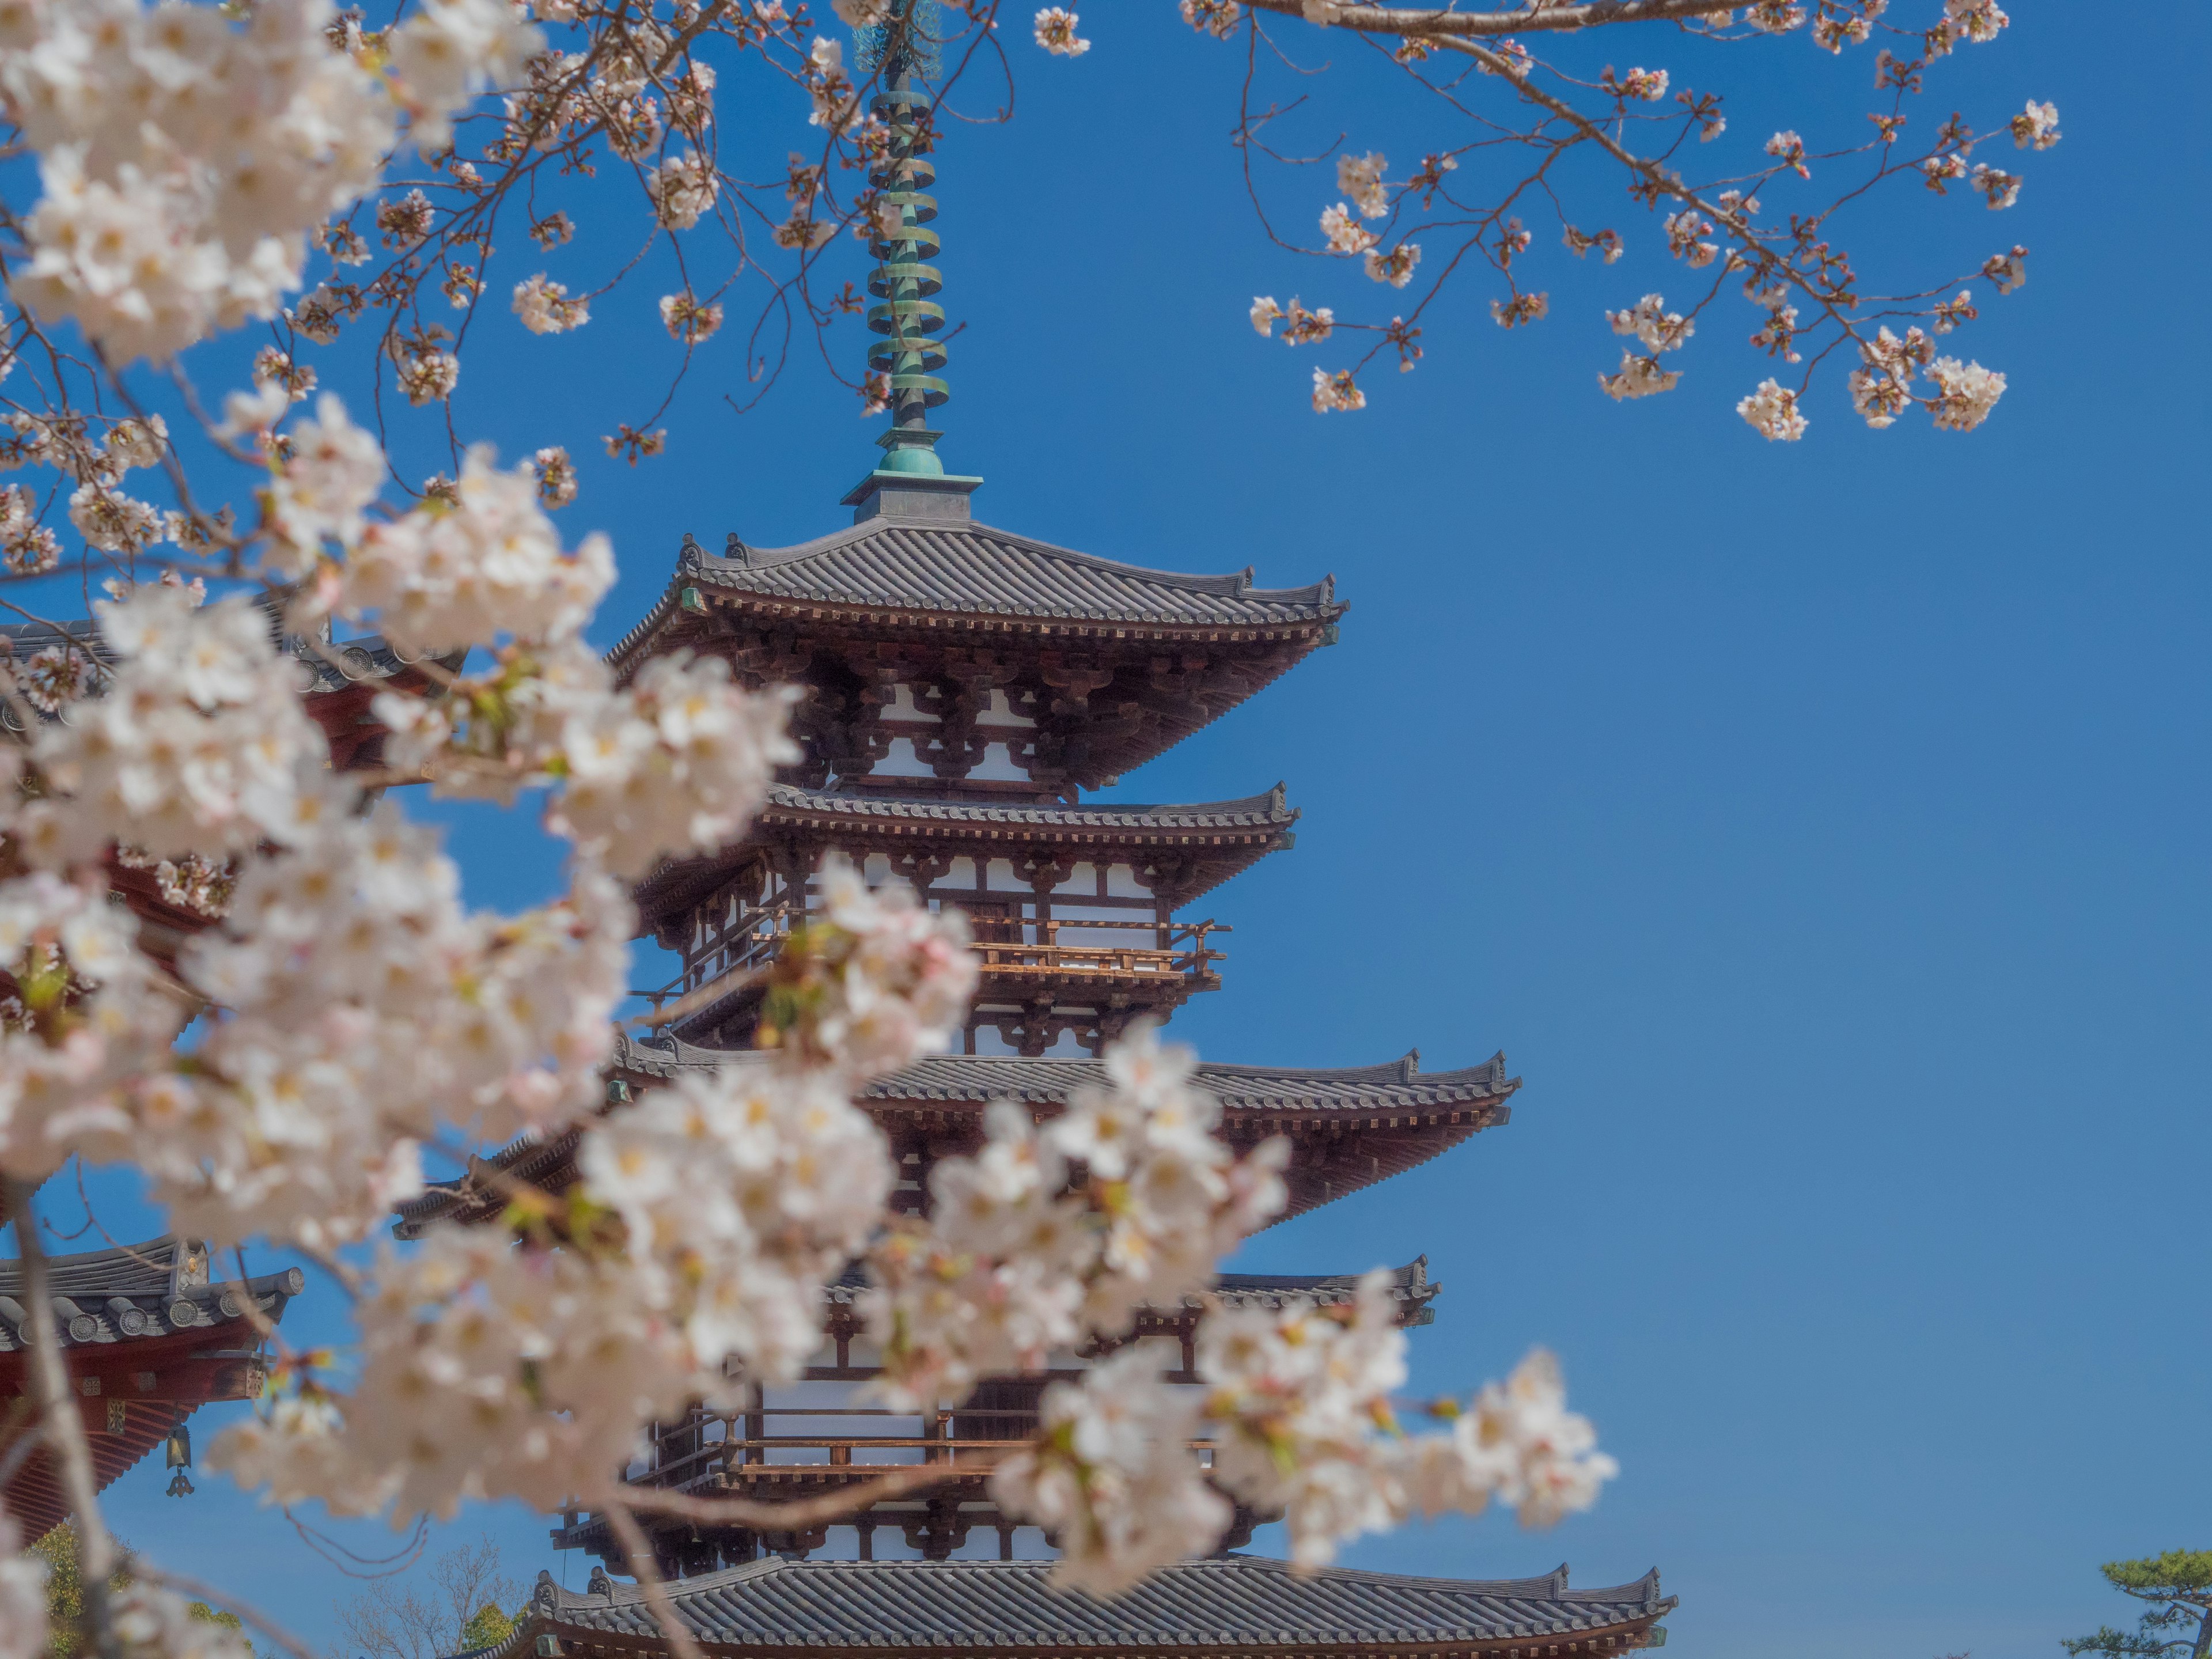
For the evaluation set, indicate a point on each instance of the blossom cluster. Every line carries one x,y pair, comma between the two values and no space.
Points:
524,1359
185,155
1058,1232
1296,1410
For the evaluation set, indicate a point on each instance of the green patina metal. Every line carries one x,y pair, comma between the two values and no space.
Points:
908,317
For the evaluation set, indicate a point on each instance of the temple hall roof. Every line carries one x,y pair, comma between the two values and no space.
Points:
1242,1603
148,1338
1233,832
976,572
1350,1127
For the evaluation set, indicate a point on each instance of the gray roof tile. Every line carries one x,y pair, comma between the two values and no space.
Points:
1267,812
1242,1601
974,569
1397,1085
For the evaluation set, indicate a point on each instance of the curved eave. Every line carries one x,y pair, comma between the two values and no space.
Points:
1237,833
1400,1116
771,582
1233,1604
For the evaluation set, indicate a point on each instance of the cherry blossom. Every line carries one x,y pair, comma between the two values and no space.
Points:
1218,18
1966,393
1055,32
1345,234
1773,409
546,308
1336,391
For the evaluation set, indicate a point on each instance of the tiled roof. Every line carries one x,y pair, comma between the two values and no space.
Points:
1267,812
974,569
1471,1097
368,658
1397,1085
1241,1603
1410,1286
136,1292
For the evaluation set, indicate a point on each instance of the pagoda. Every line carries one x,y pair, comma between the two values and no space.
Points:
964,689
150,1334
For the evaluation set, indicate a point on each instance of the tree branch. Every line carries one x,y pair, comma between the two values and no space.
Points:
64,1425
1427,23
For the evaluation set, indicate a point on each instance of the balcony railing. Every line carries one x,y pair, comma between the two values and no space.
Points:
1021,949
715,1451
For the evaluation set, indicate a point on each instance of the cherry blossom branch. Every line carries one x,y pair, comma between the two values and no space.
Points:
800,1514
1430,24
63,1425
638,1550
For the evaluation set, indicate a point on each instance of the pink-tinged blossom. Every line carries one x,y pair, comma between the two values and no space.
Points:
1636,377
1218,18
1966,393
2036,127
28,548
1650,322
674,762
1937,170
682,188
1395,267
1998,188
1360,177
489,566
1335,392
1683,231
1345,234
1265,314
85,1014
1648,85
1786,148
2008,270
1775,16
1304,327
546,308
1110,1474
199,742
688,319
1977,20
1834,33
1607,243
557,476
1514,58
1521,308
1772,411
332,471
1055,32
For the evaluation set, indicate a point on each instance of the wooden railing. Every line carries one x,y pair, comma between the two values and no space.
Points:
684,1460
1017,948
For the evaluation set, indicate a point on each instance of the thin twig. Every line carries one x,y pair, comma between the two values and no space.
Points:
794,1517
691,1000
647,1571
63,1425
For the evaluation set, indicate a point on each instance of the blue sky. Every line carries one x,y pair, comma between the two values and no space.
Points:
1820,829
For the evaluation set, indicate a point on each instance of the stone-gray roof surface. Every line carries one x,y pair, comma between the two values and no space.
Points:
1397,1085
1409,1285
974,568
1234,1600
157,1299
1267,812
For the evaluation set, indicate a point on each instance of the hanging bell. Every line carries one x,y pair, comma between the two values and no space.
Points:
180,1459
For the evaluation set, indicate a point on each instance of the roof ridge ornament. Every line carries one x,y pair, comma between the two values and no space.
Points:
910,481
